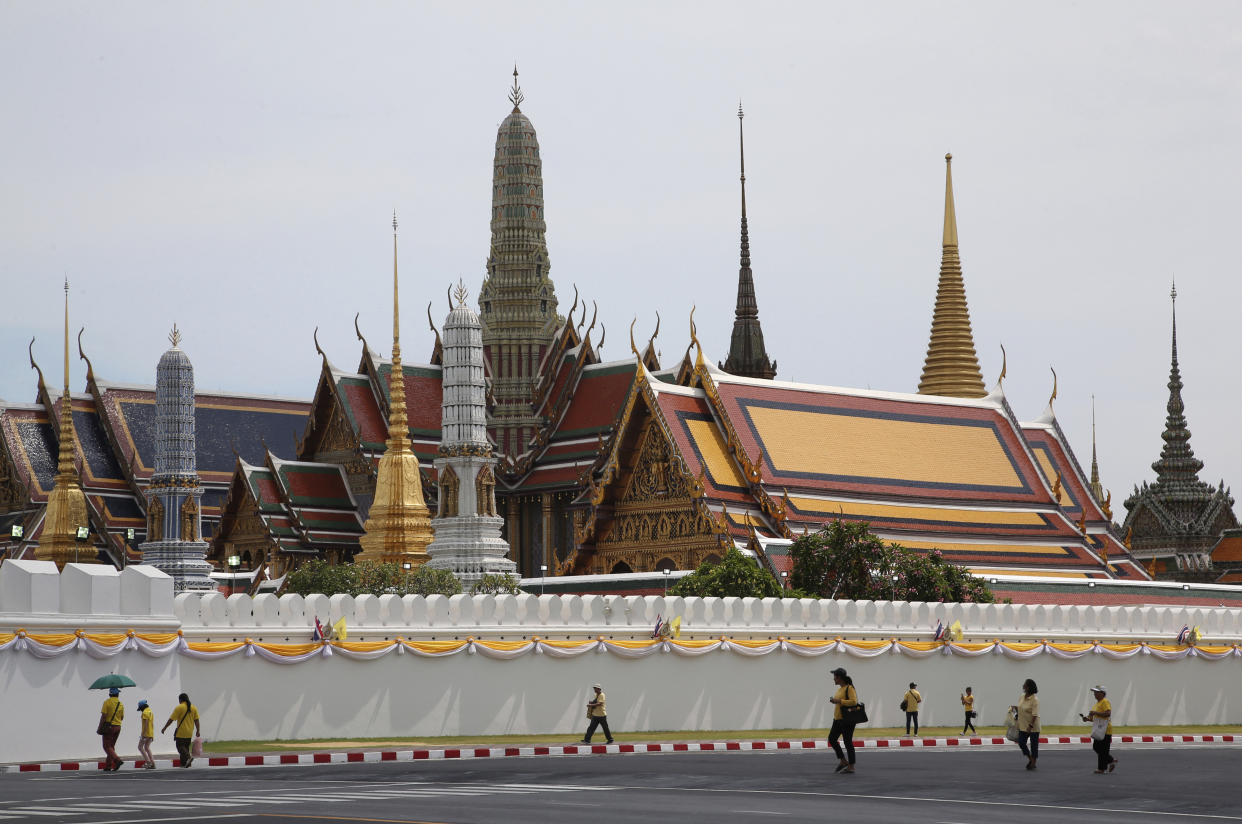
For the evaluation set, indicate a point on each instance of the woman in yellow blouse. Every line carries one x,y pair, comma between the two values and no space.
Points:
1027,710
846,696
968,704
1102,709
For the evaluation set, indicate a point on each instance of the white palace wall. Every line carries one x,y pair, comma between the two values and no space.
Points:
471,664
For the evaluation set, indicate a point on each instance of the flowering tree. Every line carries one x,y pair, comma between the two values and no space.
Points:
845,560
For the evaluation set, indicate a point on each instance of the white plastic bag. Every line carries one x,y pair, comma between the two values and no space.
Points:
1099,729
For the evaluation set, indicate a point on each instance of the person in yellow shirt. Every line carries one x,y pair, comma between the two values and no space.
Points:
842,726
911,700
1027,711
597,712
146,734
968,704
1102,710
111,714
186,716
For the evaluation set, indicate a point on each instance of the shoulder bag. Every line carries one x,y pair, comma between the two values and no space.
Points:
106,726
1099,729
856,714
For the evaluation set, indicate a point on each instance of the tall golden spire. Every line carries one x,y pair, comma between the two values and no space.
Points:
398,527
1097,489
66,503
951,368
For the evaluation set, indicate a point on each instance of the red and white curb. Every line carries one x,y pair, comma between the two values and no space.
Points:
287,759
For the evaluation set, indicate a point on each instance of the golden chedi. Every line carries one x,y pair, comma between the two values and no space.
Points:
951,367
398,528
66,503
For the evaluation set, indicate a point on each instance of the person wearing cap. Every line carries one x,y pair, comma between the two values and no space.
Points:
842,727
597,713
146,734
910,701
110,717
1102,710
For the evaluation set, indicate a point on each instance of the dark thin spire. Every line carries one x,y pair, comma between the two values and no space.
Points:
747,355
1177,465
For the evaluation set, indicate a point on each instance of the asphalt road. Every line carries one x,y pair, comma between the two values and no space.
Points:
1152,784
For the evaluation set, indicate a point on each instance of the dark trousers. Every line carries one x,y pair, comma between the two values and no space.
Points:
842,729
1032,738
969,723
1102,755
912,716
111,759
183,750
597,721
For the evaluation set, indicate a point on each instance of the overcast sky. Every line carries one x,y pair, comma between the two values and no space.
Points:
233,167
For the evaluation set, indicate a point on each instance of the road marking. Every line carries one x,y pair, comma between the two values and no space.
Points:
760,812
924,800
336,818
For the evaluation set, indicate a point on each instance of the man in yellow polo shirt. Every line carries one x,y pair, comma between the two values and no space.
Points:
912,699
597,711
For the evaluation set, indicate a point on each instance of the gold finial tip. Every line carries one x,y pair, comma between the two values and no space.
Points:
394,220
460,292
948,158
174,337
740,115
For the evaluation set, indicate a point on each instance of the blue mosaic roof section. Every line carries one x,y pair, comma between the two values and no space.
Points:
214,497
94,444
219,430
40,448
123,508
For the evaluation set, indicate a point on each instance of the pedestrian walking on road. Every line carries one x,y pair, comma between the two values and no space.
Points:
910,703
185,715
968,703
1101,718
842,724
1027,711
597,713
111,714
146,734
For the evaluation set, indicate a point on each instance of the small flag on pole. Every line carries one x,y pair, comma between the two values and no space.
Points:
338,630
318,633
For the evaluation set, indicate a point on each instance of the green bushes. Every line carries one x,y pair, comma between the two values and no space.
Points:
368,578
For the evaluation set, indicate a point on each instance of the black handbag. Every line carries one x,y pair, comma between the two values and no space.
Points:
856,714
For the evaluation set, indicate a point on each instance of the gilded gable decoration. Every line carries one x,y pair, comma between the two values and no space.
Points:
155,519
448,493
485,491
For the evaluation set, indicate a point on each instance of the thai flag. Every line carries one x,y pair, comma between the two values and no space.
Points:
659,623
939,631
1181,636
318,635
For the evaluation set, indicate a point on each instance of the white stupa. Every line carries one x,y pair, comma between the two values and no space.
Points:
467,528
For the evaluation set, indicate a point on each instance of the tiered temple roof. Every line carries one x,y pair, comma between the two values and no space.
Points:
1175,523
115,455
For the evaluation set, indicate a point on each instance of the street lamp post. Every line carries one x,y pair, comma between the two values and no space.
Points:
667,573
234,563
543,571
894,587
82,535
785,580
16,533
